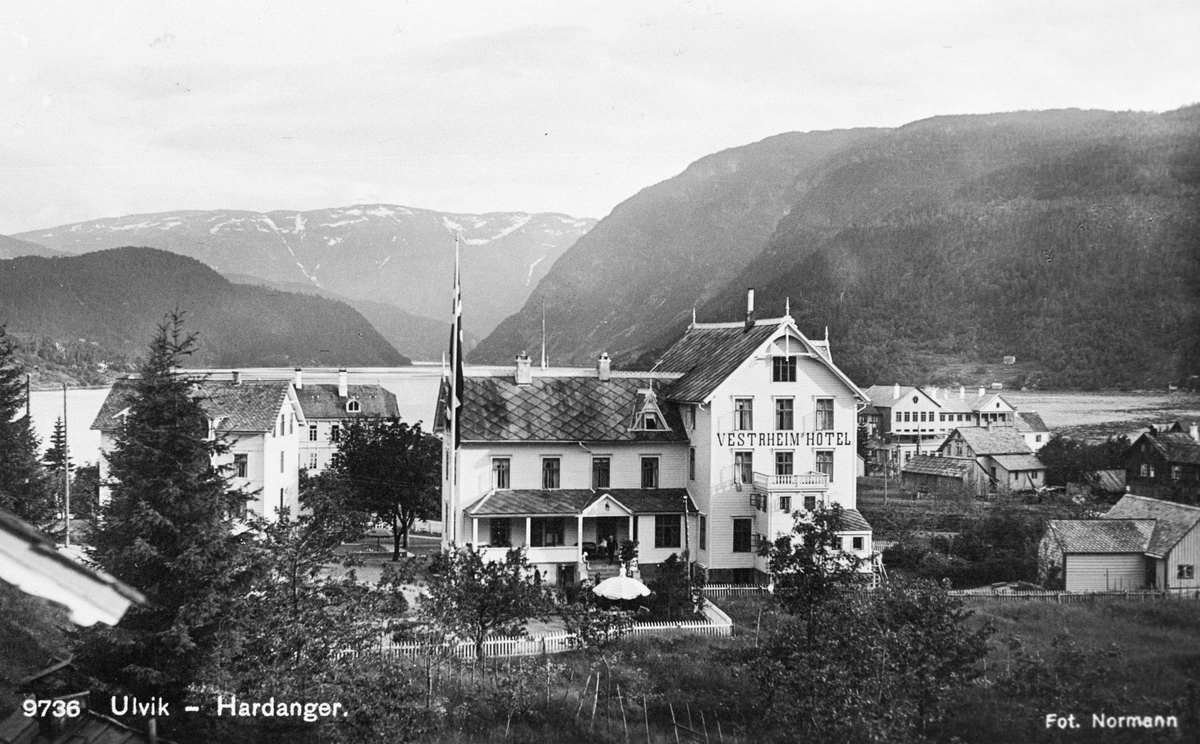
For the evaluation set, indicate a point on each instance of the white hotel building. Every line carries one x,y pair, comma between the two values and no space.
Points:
739,426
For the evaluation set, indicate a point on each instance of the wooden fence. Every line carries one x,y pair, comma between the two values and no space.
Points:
733,590
1075,598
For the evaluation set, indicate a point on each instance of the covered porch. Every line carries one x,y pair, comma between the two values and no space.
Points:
564,531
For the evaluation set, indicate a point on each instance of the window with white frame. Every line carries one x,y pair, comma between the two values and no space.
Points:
601,472
551,472
649,472
783,369
784,462
312,432
666,531
785,503
501,472
785,414
743,467
312,460
1185,571
742,529
691,463
825,463
703,533
824,420
241,465
743,414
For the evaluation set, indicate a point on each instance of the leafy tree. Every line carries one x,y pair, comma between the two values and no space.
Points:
166,531
24,487
472,597
883,665
809,567
1070,460
393,471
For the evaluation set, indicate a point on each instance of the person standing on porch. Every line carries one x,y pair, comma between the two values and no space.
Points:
604,549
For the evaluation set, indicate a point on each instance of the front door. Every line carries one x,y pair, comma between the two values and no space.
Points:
610,528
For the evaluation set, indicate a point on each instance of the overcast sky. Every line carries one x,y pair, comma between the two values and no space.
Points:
127,107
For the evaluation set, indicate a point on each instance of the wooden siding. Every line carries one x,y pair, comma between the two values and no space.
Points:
1186,552
1089,572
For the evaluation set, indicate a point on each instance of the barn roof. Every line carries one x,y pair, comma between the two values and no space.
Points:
995,441
1030,421
1019,462
1103,535
1173,521
947,467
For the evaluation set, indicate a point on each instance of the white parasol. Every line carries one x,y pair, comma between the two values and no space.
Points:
621,587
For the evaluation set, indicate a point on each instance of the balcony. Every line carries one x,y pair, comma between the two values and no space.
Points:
793,482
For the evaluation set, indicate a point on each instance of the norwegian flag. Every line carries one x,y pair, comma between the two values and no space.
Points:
454,402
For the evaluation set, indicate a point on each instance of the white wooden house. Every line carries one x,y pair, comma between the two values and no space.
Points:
1141,543
261,422
738,427
328,407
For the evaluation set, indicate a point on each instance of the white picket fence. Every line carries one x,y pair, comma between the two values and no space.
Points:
717,624
1051,597
733,590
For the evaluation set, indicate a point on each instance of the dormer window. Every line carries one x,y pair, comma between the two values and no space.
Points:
649,420
353,407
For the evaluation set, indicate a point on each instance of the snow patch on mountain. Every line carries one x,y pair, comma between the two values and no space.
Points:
529,279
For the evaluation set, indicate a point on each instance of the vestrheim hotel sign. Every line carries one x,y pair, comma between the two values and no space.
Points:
783,439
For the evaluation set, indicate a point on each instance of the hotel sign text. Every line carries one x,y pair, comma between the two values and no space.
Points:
783,439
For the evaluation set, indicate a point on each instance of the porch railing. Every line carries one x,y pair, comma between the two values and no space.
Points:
792,481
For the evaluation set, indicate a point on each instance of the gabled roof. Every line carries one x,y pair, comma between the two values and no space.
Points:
573,501
1172,521
1001,440
853,521
248,406
1103,535
1019,462
323,402
561,409
708,353
1175,447
948,467
885,396
1030,421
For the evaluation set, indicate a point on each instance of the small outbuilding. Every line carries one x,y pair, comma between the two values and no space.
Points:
1141,543
929,474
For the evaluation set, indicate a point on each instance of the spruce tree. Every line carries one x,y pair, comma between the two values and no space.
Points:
24,487
165,531
57,459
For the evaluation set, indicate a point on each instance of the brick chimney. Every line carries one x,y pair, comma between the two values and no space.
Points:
524,373
343,383
237,377
896,391
982,392
1194,431
749,308
298,379
604,367
962,393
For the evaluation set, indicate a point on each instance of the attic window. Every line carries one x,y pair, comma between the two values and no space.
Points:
649,420
353,407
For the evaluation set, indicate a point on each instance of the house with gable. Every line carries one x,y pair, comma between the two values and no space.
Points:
915,421
326,410
1141,543
260,420
1168,457
738,427
1001,453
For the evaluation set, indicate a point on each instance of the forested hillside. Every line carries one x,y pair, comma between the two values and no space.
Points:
110,301
1069,239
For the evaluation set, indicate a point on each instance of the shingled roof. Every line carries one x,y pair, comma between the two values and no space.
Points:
1003,440
1103,535
1172,521
573,501
562,409
248,406
946,467
1030,421
1175,447
323,401
1019,462
706,355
